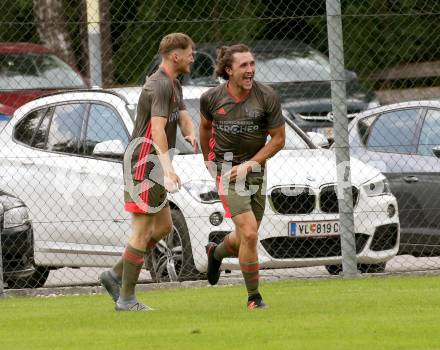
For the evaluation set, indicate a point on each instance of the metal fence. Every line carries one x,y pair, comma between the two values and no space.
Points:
339,70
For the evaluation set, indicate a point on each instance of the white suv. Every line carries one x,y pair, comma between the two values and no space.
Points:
61,154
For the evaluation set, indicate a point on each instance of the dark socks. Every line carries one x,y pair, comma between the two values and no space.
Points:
119,266
251,277
225,250
133,259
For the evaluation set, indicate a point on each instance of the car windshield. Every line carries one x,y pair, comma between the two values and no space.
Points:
30,71
293,66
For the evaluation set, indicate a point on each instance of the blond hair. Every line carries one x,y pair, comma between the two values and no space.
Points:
174,41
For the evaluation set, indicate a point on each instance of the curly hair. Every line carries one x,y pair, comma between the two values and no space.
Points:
225,58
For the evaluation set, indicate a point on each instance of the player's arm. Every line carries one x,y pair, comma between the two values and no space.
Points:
205,131
161,96
277,132
187,128
161,144
276,129
276,143
205,135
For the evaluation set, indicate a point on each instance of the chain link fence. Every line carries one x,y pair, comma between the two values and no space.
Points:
71,72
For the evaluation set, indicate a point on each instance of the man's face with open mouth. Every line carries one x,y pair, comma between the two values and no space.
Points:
242,71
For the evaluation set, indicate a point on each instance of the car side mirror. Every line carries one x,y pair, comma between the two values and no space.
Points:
318,139
436,151
110,148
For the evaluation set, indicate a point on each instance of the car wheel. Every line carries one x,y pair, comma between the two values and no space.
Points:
372,268
363,268
171,260
36,280
334,269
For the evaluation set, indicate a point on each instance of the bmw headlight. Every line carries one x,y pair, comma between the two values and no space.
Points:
203,191
15,217
377,187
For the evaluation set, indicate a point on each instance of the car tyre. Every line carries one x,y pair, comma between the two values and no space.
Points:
372,268
334,269
36,280
172,260
363,268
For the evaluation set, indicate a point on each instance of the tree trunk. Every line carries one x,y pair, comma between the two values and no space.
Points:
106,43
52,29
84,58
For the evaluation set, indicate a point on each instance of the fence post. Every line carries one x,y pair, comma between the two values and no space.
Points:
94,39
1,255
342,150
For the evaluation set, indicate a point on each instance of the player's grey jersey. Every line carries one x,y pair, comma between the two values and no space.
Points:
240,126
161,96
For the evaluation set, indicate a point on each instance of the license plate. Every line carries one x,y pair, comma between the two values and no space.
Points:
316,228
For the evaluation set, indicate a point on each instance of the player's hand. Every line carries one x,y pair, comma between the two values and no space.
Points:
238,172
172,182
192,140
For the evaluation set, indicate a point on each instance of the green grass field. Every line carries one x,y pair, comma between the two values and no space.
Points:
369,313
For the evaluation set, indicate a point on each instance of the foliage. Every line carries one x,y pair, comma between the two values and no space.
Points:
380,34
16,21
377,33
138,42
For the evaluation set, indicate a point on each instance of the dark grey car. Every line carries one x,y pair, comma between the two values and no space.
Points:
17,245
403,141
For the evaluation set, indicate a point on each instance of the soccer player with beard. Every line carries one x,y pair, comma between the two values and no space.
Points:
236,118
160,110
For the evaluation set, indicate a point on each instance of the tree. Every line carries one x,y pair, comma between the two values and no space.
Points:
52,29
106,43
204,21
16,21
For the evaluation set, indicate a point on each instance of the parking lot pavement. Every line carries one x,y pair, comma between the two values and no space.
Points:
408,264
89,276
85,276
400,264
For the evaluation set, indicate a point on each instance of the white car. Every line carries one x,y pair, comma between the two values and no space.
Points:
61,154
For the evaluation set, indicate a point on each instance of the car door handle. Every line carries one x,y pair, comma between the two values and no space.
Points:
84,170
411,179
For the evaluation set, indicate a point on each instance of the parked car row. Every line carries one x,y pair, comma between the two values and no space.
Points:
299,73
61,154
